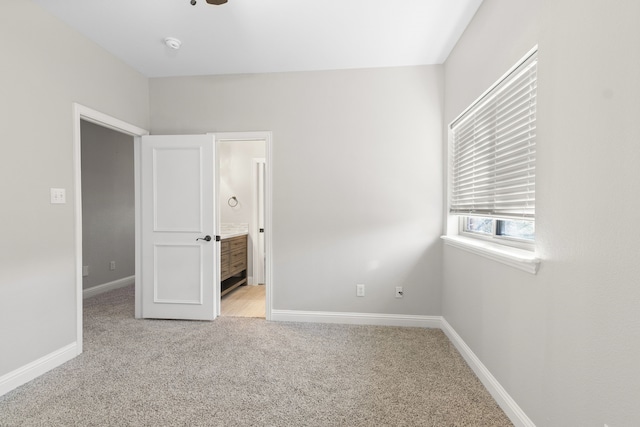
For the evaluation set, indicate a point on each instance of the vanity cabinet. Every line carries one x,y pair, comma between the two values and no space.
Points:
233,263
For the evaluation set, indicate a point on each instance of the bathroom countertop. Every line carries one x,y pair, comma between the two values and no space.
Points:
230,234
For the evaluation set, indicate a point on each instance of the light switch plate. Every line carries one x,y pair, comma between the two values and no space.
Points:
58,196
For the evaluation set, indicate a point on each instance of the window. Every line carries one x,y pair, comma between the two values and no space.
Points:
492,161
516,230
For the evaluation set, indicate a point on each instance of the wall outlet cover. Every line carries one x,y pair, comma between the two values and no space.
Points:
399,292
58,196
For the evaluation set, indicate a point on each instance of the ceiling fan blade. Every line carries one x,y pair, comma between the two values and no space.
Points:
217,2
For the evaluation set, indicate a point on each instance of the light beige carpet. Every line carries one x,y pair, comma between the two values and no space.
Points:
249,372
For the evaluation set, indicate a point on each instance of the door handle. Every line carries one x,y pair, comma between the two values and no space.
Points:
206,238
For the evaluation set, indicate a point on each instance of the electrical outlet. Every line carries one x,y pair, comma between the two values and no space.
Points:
85,270
399,292
58,196
359,290
112,265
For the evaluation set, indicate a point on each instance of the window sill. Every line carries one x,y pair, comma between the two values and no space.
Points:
518,258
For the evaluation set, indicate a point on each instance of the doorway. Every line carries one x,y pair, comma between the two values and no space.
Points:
108,209
80,114
243,197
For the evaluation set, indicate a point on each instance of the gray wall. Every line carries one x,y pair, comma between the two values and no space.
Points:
45,68
357,177
564,343
108,204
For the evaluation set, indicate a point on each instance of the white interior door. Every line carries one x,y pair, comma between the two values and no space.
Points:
178,213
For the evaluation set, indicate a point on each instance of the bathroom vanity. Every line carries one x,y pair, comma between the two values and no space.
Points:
233,263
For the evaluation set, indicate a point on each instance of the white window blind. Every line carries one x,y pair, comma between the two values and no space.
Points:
493,149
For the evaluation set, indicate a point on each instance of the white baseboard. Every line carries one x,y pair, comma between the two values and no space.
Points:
105,287
504,400
26,373
356,318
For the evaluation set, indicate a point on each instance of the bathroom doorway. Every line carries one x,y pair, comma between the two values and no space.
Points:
242,170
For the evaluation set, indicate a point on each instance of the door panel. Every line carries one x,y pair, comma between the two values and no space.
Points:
178,210
177,187
168,272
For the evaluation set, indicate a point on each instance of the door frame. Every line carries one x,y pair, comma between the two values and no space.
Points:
265,136
255,181
81,112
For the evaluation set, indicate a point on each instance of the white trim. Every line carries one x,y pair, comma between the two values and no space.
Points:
137,150
504,400
101,119
410,320
80,112
268,224
217,287
255,213
26,373
109,286
518,258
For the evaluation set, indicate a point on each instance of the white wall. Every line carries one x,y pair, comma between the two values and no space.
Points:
108,204
357,177
236,160
563,343
236,163
46,67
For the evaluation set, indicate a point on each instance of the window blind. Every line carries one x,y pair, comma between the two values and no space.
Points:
493,150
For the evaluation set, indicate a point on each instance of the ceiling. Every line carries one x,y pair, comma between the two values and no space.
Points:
261,36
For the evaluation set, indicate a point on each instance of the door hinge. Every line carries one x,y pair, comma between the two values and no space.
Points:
262,230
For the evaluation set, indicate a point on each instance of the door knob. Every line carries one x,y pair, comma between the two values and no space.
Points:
206,238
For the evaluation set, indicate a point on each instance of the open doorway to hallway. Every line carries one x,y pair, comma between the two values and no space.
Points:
84,114
108,209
